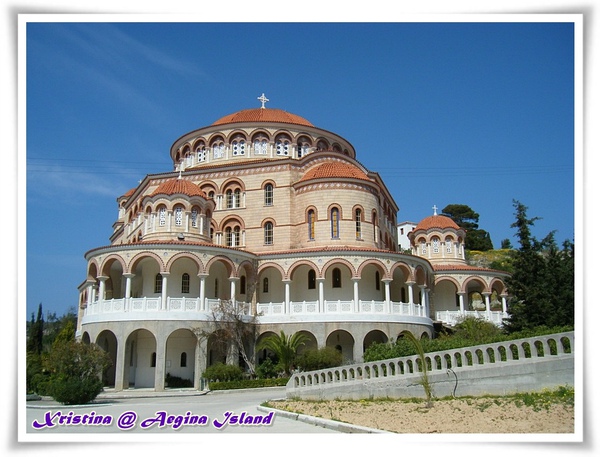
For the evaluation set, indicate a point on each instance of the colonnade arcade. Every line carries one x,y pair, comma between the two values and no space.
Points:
263,284
145,355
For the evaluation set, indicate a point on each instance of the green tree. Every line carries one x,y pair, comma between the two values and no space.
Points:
285,348
36,333
476,239
542,281
75,371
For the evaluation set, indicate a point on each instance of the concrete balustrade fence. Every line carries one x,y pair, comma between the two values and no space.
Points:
527,364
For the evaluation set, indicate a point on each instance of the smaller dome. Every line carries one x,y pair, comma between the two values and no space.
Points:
335,170
179,186
438,222
263,115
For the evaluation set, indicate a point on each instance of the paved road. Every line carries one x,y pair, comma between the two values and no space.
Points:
137,414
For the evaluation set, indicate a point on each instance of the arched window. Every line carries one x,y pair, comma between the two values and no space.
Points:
265,285
162,216
311,224
179,216
229,198
228,237
377,281
194,217
268,233
283,147
260,146
236,236
238,147
218,149
158,284
183,360
449,245
312,279
185,283
269,194
153,360
237,198
336,278
303,147
357,220
335,223
423,247
435,241
201,154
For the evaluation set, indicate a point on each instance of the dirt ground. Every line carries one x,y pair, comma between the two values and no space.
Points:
468,415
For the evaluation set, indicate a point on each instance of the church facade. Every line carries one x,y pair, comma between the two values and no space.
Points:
276,216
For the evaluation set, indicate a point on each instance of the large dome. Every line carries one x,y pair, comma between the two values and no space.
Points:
438,222
263,115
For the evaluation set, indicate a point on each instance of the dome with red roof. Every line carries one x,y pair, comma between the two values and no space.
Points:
263,115
335,169
438,222
179,186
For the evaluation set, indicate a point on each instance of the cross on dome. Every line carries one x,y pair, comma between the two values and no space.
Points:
263,100
434,210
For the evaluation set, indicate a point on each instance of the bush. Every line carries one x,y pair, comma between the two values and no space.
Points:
72,390
176,381
267,369
75,371
403,348
319,359
222,372
248,384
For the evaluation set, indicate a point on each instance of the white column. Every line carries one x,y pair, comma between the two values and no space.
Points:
388,306
102,289
422,301
202,277
461,302
486,295
410,285
163,297
128,278
90,293
355,285
321,282
232,289
286,283
426,304
504,307
201,218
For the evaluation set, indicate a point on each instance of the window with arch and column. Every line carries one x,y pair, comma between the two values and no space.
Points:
335,223
312,279
185,283
311,224
268,233
268,194
358,221
158,283
238,147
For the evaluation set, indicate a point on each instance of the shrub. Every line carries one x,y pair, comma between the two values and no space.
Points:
267,369
319,359
248,384
176,381
75,371
222,372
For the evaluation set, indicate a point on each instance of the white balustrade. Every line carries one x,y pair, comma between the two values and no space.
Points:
521,350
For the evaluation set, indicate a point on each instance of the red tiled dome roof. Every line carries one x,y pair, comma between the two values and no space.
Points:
263,115
179,186
436,221
335,170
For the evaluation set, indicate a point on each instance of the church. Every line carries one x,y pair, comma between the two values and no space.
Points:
265,210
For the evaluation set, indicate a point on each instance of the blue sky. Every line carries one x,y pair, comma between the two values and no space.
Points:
470,113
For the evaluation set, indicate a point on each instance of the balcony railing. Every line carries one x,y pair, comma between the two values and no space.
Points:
182,304
454,317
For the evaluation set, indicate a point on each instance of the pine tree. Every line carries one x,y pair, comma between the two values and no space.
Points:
542,283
